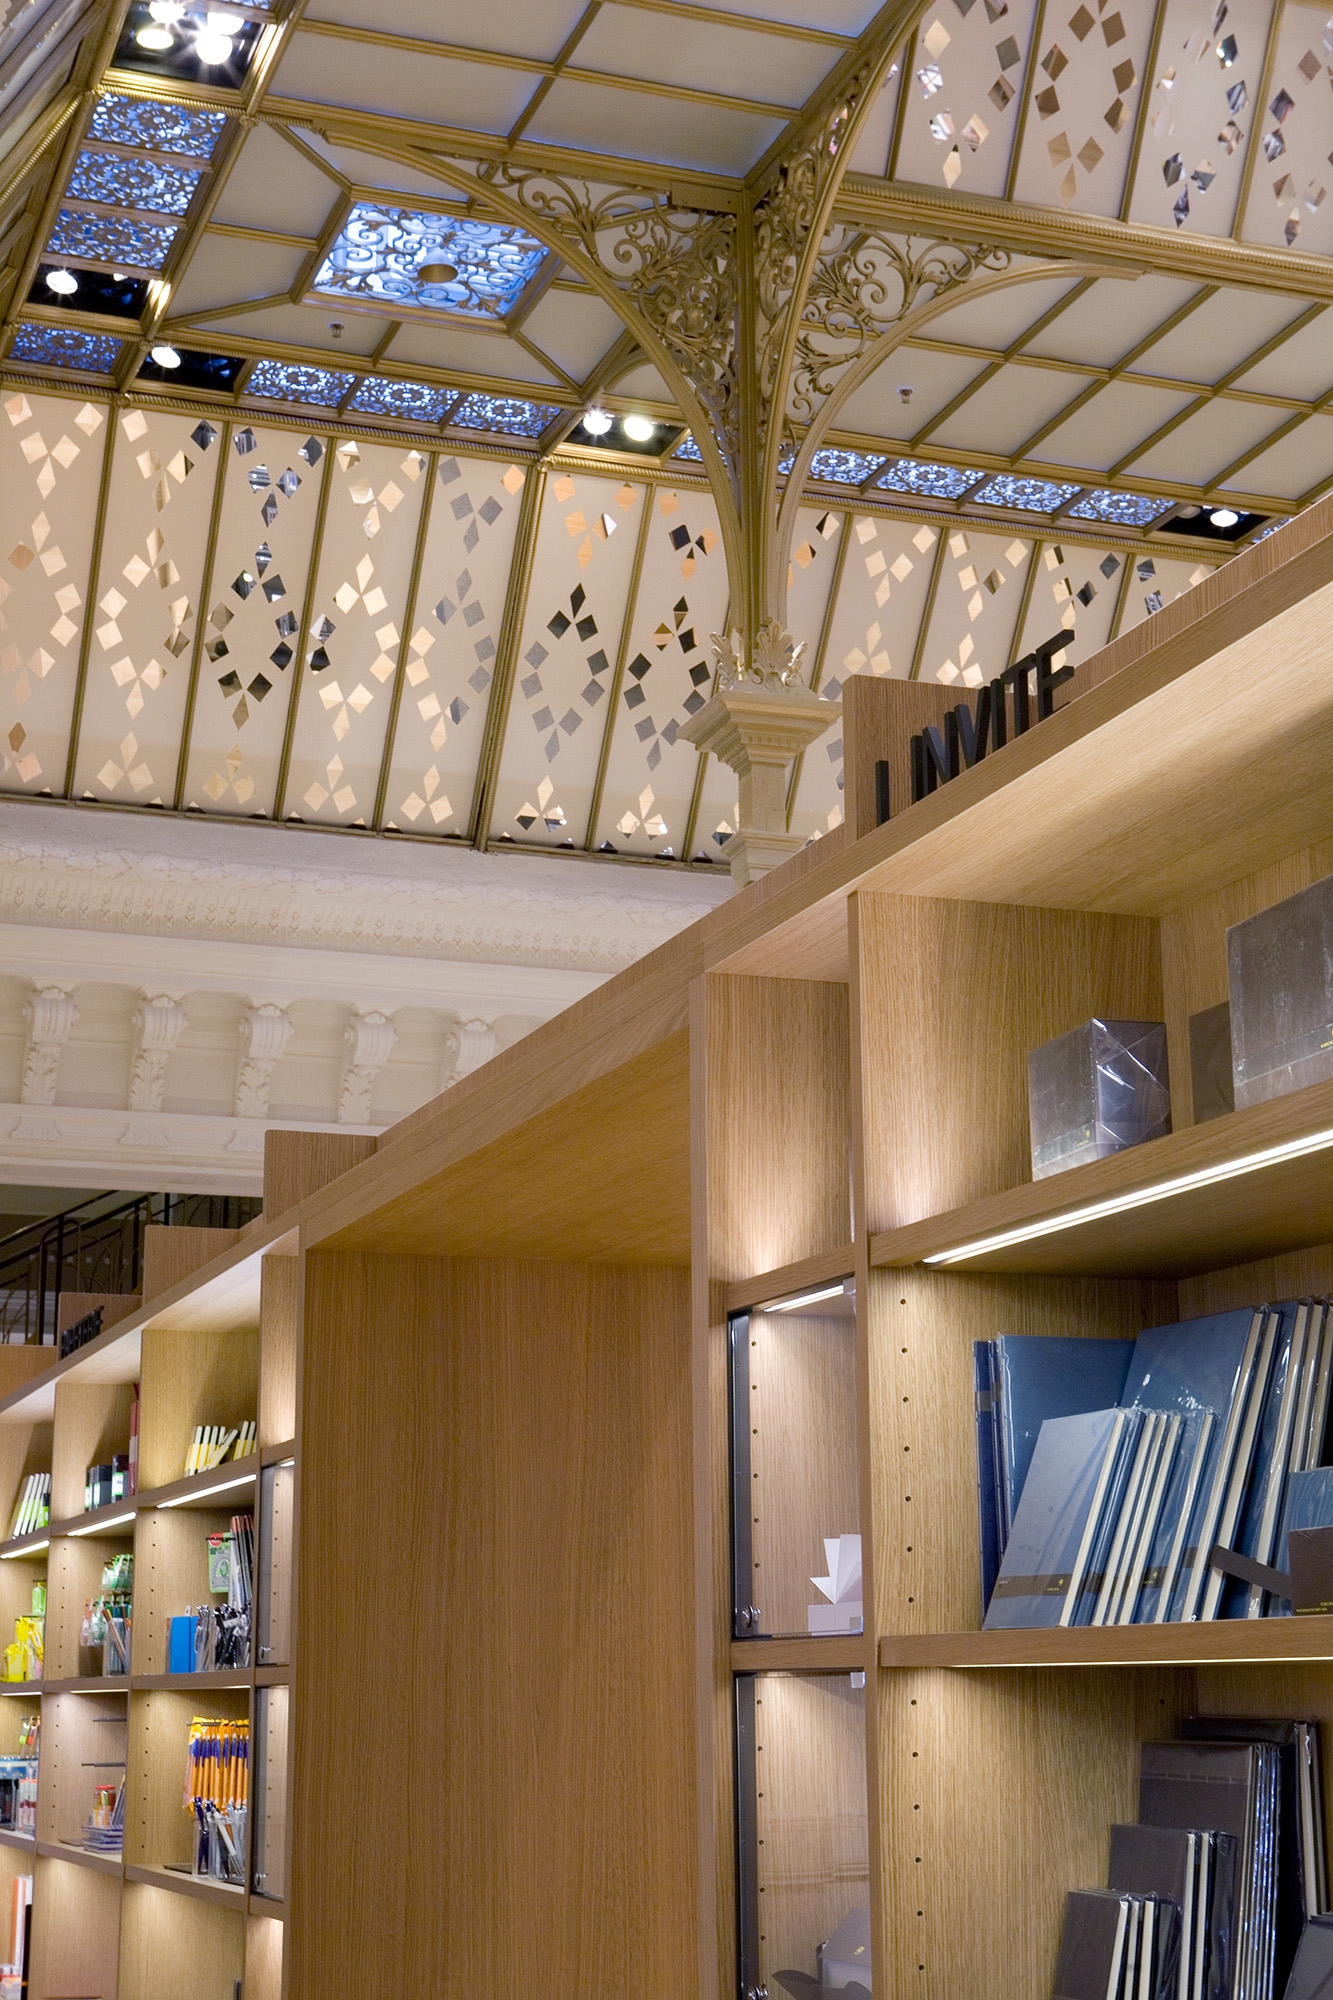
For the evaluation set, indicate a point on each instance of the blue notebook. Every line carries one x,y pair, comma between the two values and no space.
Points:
1074,1467
1167,1551
1037,1376
1308,1504
1274,1439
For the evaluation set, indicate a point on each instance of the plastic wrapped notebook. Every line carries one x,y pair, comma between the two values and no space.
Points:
1076,1468
1230,1788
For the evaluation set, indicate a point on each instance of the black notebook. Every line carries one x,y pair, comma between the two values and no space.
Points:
1092,1946
1312,1973
1229,1788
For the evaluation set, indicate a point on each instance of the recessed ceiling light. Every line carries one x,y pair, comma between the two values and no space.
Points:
437,274
168,11
597,422
166,357
63,282
1224,517
212,48
155,36
641,429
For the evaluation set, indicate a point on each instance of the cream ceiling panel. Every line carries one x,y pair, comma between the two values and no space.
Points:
1083,96
403,83
305,326
574,329
255,603
1112,317
643,380
1300,460
1117,417
638,126
999,318
576,606
977,606
449,656
360,613
51,450
1194,143
960,103
1155,583
877,410
1302,366
837,17
363,169
870,155
1291,193
511,27
1201,448
635,41
146,606
1219,334
223,271
681,602
1074,590
1005,410
275,185
490,354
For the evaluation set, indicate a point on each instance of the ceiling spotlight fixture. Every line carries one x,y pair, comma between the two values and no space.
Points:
213,44
166,357
166,11
597,422
155,36
437,274
641,429
64,283
1224,517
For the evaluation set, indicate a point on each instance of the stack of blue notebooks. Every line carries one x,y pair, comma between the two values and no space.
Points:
1109,1471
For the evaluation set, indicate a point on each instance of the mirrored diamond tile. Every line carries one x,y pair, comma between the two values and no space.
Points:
1131,510
145,123
1033,496
509,415
65,347
121,183
292,382
941,482
436,263
425,402
111,239
844,468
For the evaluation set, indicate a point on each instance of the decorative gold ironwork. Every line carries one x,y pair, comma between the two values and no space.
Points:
774,659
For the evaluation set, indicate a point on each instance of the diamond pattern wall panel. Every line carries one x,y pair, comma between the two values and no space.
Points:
51,458
960,103
145,612
450,652
976,615
1076,589
1291,194
1156,583
1083,92
1202,114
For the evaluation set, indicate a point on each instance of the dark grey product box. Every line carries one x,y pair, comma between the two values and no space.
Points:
1096,1090
1280,971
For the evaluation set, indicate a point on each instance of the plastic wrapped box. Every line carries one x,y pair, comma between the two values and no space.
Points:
1280,972
1096,1090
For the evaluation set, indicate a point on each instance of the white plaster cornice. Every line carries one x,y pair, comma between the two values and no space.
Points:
142,1152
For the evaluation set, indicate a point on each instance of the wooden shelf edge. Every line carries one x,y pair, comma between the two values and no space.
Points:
9,1838
278,1454
200,1887
226,1479
1231,1641
266,1906
82,1857
842,1655
25,1689
34,1544
85,1684
280,1674
215,1678
810,1271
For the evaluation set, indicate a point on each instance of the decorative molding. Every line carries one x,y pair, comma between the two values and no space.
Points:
158,1026
49,1017
80,1147
467,1047
265,1032
369,1040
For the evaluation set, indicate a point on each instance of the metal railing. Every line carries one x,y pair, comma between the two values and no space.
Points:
96,1246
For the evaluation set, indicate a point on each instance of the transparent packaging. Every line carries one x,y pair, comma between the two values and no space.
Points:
796,1542
269,1804
273,1637
1095,1091
1280,973
803,1860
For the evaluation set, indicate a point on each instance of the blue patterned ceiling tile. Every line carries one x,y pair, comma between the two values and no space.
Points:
290,382
940,482
65,347
116,182
688,449
509,415
1130,510
111,239
423,402
380,253
845,468
146,124
1032,496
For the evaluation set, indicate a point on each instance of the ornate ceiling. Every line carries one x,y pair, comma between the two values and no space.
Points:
355,559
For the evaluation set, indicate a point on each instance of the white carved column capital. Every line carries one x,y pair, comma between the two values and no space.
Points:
265,1031
468,1045
368,1041
49,1018
158,1023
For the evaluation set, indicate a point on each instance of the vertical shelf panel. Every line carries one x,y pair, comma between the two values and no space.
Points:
75,1931
177,1948
279,1345
188,1379
92,1425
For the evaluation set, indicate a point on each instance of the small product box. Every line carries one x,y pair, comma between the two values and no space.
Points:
1280,972
1096,1090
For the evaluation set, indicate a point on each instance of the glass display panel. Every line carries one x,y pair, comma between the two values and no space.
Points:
274,1633
269,1838
803,1838
796,1530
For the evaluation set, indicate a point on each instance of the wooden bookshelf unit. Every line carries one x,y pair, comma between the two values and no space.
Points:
494,1355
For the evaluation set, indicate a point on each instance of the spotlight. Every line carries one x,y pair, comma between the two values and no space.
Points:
1224,517
641,429
437,274
155,36
597,422
166,357
62,282
166,11
211,45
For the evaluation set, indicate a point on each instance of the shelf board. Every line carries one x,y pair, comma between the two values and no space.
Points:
9,1838
116,1519
278,1454
846,1653
1127,1216
82,1857
35,1544
1230,1641
809,1273
223,1677
200,1887
226,1481
26,1689
278,1675
86,1684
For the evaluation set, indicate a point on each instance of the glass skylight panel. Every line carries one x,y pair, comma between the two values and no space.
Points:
434,263
1033,496
146,124
65,347
509,415
844,468
1130,510
940,482
111,239
290,382
114,181
423,402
